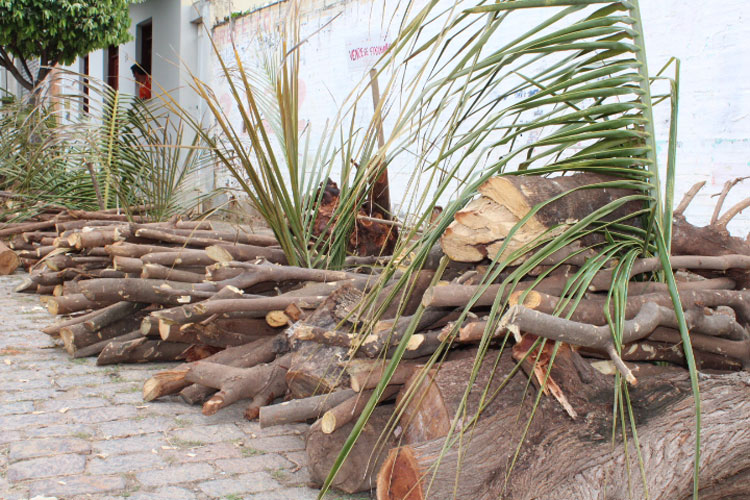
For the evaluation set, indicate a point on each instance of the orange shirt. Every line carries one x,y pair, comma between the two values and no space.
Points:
144,89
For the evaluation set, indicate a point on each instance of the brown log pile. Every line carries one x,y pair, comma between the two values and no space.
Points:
306,345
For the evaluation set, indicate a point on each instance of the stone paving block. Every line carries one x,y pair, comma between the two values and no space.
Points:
78,485
246,483
77,381
277,443
167,493
132,444
57,465
208,434
102,414
202,453
266,461
26,384
71,404
128,398
45,447
176,474
74,430
134,427
289,494
117,464
11,436
18,422
31,395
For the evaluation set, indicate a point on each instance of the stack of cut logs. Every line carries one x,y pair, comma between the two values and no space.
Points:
248,327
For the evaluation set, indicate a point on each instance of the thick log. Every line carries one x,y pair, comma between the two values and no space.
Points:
302,410
9,261
141,350
244,356
583,449
358,472
317,369
481,228
235,383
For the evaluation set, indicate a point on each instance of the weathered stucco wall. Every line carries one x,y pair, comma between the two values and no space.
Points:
710,39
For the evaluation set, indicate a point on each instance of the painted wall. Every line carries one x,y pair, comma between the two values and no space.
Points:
711,40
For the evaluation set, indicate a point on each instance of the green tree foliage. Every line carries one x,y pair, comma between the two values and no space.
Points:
57,31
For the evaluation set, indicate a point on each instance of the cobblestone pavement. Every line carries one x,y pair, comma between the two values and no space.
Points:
71,430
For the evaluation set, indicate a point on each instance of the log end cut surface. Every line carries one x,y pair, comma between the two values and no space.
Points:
400,477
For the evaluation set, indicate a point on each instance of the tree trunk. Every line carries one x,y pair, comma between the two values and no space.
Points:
586,466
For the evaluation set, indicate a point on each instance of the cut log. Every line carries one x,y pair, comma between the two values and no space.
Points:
206,237
67,304
173,381
78,336
110,314
9,261
141,350
481,228
148,291
229,253
301,410
352,408
358,472
98,347
156,271
199,334
178,257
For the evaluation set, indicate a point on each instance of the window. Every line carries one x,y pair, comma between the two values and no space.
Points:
85,71
113,66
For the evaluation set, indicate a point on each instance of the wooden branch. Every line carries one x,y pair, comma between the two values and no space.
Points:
156,271
234,383
688,198
178,258
733,212
244,356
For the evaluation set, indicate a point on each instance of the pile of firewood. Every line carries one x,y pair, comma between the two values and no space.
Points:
250,328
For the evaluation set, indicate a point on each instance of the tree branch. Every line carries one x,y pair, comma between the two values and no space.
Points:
7,63
688,198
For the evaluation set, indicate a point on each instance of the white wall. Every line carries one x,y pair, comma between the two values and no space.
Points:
710,39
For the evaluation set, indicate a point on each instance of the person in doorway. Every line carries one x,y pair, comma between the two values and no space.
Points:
143,80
